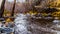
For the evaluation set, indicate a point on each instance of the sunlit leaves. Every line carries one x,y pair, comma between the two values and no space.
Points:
6,13
56,14
55,3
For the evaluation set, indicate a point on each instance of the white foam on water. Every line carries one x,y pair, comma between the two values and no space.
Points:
20,24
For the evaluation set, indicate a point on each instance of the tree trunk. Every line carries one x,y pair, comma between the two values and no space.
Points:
2,8
13,8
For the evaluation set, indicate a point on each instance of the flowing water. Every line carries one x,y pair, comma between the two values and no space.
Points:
26,25
21,24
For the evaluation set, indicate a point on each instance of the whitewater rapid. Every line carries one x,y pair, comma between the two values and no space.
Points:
21,26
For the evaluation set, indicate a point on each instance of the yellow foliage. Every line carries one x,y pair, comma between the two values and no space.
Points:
44,14
56,14
55,3
8,20
6,13
31,12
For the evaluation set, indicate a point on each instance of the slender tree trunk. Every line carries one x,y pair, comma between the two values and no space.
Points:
2,8
13,8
